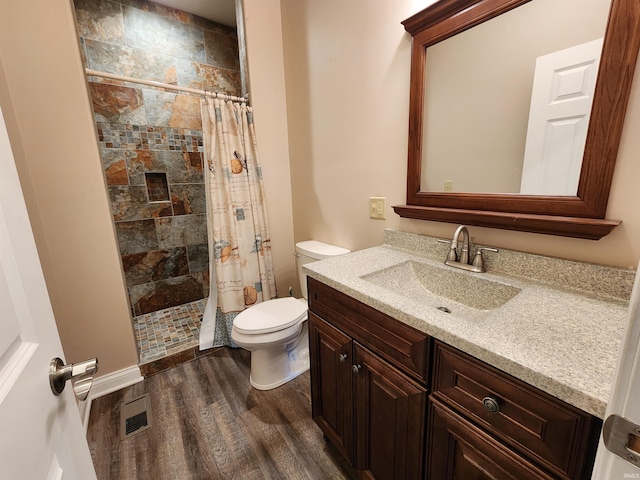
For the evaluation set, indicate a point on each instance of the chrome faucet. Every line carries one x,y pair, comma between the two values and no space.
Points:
459,257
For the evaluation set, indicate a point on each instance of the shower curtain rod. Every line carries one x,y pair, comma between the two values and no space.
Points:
168,86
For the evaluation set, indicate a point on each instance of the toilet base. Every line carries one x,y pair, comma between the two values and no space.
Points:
273,367
266,384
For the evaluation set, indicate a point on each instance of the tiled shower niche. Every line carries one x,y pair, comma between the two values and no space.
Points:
152,138
157,187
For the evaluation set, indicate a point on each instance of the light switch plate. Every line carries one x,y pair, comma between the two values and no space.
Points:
378,207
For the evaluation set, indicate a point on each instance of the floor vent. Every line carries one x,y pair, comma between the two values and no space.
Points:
135,416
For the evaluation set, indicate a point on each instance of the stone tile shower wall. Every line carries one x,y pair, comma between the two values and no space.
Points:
151,140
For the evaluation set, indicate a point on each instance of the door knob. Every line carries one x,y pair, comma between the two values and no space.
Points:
342,357
59,373
356,368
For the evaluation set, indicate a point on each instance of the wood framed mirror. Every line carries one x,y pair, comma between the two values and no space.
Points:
580,216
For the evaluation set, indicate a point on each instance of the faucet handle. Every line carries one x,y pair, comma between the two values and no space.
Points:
478,260
451,256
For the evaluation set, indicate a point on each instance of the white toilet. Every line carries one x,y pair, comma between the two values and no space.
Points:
275,331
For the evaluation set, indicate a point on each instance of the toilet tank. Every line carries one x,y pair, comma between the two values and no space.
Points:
312,251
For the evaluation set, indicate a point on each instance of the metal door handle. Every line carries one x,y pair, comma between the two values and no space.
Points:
59,373
342,357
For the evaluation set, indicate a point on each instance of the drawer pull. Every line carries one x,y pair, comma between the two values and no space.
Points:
491,404
342,357
356,368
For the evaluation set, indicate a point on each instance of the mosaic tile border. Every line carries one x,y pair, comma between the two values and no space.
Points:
145,137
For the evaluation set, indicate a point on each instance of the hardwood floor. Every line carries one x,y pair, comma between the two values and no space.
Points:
209,423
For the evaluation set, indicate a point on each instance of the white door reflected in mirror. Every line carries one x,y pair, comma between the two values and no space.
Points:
477,98
561,100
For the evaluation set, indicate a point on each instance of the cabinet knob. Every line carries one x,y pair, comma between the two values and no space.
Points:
342,357
356,368
491,404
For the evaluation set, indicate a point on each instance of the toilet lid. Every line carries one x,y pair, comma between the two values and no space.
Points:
270,316
319,250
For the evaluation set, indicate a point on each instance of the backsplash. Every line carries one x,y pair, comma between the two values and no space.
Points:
589,279
150,140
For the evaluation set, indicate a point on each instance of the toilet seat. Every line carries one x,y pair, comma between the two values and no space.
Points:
270,316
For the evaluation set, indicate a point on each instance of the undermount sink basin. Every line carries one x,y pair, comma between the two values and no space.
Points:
435,285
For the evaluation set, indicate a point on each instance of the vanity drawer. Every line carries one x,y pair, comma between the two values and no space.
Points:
459,449
405,347
558,436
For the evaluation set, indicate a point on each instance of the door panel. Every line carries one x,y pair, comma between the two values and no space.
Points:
625,392
42,436
331,383
390,410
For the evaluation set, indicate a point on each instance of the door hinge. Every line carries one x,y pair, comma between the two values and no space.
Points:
622,437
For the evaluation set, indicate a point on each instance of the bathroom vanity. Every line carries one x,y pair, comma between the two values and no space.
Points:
408,383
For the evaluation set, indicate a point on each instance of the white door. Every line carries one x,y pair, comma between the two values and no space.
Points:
561,99
41,436
624,400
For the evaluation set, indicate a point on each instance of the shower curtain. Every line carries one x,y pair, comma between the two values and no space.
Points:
240,262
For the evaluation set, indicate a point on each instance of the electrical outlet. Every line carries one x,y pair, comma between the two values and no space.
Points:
378,207
448,185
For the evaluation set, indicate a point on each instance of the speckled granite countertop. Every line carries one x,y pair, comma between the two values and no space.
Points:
561,333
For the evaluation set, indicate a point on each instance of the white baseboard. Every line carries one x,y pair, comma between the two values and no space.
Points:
106,384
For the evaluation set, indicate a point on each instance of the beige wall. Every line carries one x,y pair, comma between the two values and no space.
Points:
266,71
44,97
347,76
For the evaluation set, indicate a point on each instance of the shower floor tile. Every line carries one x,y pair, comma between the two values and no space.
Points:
165,332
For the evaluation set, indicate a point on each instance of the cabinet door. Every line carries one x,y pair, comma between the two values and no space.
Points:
459,450
390,410
331,392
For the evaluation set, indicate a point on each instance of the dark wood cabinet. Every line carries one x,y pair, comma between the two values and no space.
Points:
370,375
401,345
535,427
460,450
371,410
389,411
331,377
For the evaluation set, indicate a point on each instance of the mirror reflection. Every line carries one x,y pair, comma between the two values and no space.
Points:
507,102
